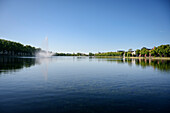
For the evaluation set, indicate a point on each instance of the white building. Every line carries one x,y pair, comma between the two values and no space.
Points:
133,52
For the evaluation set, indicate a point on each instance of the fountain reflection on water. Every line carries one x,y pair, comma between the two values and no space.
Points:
44,61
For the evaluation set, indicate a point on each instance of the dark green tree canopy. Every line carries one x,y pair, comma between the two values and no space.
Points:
15,48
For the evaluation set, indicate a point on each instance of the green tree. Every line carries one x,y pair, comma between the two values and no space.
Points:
153,52
137,52
129,50
91,54
15,48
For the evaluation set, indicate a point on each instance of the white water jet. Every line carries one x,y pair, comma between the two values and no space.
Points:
124,57
44,53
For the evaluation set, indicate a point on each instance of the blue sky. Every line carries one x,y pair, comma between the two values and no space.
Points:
86,25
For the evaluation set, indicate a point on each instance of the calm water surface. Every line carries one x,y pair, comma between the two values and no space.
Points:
84,84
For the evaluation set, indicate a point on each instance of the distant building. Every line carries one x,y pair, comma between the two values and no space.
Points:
133,52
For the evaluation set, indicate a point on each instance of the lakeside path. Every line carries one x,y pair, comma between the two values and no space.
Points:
157,58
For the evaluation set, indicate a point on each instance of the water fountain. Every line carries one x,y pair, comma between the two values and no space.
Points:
124,57
44,57
44,53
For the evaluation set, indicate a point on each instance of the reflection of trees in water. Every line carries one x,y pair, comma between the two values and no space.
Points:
12,64
163,65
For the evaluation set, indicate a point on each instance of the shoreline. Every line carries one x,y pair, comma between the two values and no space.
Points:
158,58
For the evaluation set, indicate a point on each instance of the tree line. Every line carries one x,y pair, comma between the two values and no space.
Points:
11,48
17,49
70,54
160,51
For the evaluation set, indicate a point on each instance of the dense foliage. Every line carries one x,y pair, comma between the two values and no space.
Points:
16,49
160,51
70,54
109,54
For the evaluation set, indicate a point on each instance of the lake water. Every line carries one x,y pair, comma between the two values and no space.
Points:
84,85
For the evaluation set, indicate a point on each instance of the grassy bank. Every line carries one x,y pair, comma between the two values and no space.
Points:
161,58
108,57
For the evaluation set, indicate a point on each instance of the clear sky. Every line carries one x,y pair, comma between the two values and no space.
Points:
86,25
